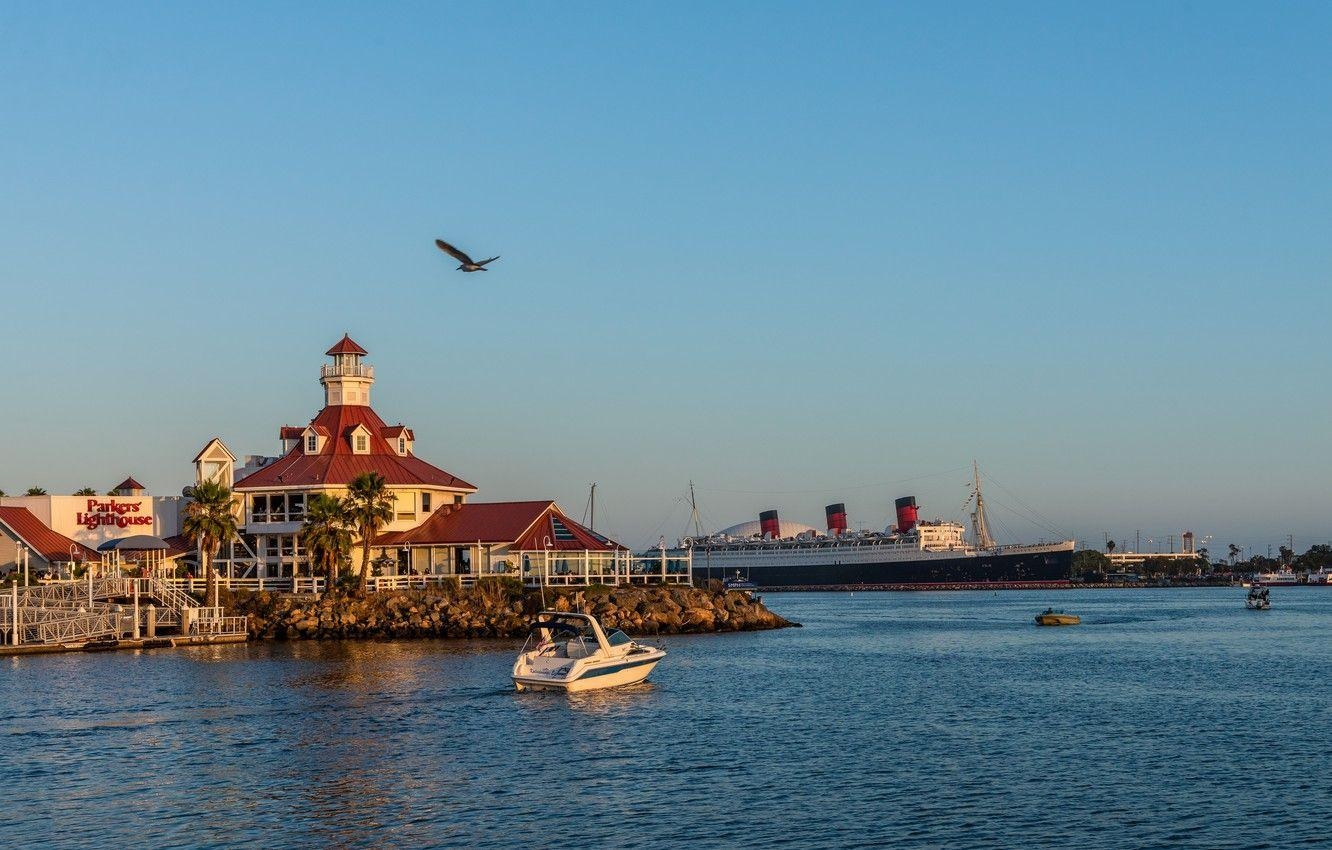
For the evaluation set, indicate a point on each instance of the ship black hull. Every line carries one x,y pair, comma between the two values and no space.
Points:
980,569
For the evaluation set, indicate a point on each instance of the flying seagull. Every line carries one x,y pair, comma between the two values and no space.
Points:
468,265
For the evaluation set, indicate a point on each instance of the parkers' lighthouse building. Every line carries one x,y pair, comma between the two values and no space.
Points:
347,438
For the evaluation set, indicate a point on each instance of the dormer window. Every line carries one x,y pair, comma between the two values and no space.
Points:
311,444
358,437
402,445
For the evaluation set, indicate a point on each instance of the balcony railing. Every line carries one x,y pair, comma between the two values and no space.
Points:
332,370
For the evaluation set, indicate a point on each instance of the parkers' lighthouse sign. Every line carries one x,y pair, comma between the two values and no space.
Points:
117,513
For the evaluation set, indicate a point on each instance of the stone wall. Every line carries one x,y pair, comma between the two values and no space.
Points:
496,610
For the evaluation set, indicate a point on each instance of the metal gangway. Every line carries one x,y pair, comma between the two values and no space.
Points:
100,608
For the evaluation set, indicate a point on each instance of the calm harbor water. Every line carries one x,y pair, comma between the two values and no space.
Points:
1169,718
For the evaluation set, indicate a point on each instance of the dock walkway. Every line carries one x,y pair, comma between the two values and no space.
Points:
92,611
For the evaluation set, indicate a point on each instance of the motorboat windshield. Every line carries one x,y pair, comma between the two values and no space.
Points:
569,635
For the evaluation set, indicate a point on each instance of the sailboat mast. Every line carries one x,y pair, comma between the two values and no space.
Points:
980,529
592,507
693,511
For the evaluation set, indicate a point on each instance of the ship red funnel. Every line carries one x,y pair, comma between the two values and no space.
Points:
906,514
836,519
770,525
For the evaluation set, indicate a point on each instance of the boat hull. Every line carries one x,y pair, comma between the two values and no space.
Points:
611,675
1058,620
771,572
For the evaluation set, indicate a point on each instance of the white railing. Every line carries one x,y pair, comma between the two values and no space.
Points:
573,569
170,595
75,628
332,370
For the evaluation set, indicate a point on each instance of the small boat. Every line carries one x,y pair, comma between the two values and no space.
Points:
740,583
570,652
1258,598
1051,617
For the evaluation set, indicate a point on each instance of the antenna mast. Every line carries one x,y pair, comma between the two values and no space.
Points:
980,529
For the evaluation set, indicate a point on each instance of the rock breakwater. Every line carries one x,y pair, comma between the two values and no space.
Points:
496,609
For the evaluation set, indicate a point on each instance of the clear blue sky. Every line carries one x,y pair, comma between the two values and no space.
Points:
799,253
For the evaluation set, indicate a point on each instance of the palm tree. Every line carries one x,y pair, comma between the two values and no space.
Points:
370,506
85,491
1110,547
210,518
327,533
1234,552
35,491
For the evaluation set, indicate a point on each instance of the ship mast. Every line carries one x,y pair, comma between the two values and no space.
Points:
980,529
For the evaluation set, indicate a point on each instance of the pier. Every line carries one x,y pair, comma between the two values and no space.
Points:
106,613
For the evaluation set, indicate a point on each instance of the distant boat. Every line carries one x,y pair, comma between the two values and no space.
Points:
739,583
1051,617
1258,599
1281,578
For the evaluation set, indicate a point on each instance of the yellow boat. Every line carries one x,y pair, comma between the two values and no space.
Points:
1051,617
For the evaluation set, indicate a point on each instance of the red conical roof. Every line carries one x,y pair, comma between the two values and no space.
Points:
346,346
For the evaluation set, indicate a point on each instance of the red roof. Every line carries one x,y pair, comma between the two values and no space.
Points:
290,432
394,431
129,484
522,525
337,465
346,346
51,545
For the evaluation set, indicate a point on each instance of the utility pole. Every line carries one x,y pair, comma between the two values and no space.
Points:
1137,540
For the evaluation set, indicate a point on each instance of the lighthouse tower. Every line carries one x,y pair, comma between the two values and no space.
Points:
346,380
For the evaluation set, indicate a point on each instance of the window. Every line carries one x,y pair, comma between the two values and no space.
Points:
296,507
402,445
425,503
361,445
311,444
259,509
457,498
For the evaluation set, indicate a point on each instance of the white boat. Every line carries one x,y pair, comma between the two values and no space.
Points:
570,652
1257,599
1323,576
1281,578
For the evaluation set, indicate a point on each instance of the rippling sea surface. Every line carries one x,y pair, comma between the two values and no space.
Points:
1169,718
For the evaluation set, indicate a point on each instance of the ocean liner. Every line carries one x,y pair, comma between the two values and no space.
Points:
912,552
